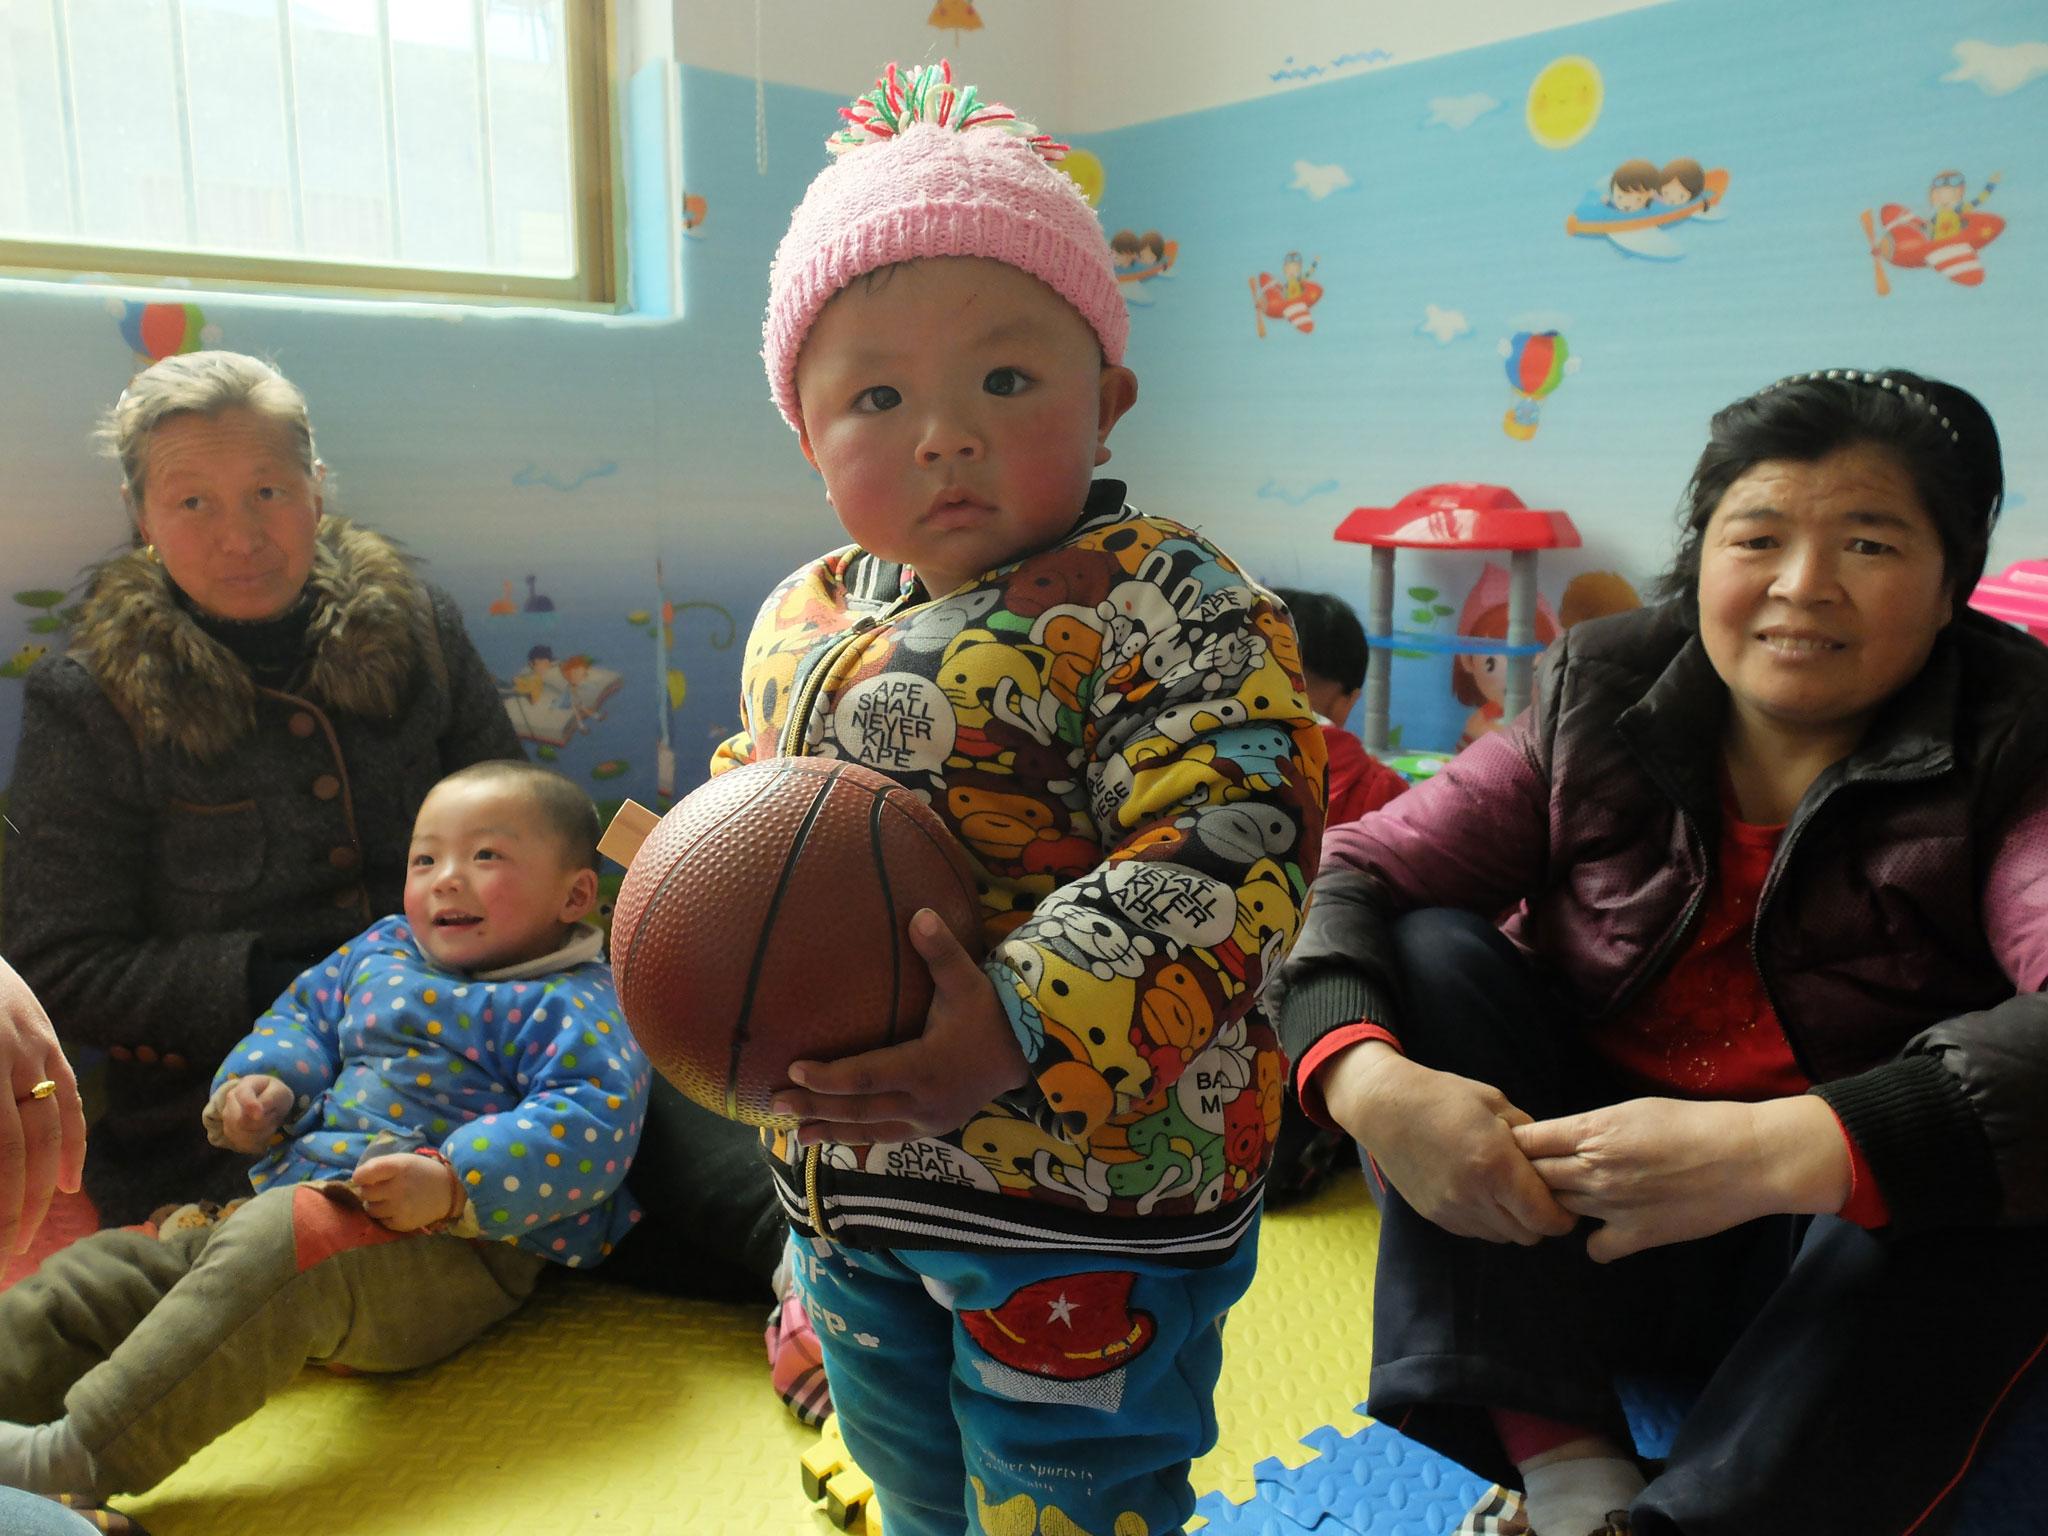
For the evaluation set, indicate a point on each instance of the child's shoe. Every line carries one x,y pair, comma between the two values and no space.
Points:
1498,1513
796,1365
167,1221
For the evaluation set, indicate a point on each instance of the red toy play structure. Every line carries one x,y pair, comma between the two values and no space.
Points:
1470,518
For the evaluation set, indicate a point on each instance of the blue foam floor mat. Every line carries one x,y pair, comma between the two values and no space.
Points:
1372,1481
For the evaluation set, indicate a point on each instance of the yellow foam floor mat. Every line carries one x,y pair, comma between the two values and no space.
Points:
598,1411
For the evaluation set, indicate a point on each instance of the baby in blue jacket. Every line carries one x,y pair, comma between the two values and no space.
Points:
444,1105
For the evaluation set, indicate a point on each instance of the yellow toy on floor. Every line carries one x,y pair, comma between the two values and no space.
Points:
829,1474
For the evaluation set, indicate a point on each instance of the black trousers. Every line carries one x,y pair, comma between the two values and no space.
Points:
1848,1376
713,1227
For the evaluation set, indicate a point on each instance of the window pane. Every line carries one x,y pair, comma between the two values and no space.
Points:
530,130
131,160
396,133
241,175
440,166
35,176
338,85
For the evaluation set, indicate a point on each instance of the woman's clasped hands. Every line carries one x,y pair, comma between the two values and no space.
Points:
1645,1172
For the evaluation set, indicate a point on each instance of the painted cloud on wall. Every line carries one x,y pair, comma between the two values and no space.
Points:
1446,325
1994,70
1318,181
1458,112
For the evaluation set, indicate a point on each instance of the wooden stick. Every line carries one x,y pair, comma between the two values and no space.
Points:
629,829
1884,284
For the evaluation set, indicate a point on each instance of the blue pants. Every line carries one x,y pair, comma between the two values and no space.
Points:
1022,1394
28,1514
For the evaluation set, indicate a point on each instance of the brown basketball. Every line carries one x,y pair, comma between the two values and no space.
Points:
766,920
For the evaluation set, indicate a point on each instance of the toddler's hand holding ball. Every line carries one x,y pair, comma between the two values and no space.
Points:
935,1083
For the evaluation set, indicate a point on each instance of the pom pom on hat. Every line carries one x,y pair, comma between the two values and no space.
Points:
927,94
924,167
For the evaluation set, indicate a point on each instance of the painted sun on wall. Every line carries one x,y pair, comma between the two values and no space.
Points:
1564,102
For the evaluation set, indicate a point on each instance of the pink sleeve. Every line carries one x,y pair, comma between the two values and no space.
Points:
2016,895
1475,835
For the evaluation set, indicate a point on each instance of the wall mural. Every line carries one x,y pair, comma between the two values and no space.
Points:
1944,239
1564,102
1290,296
157,330
1642,202
1395,232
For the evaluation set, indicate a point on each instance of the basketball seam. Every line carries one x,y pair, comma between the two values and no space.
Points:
877,807
742,1019
945,843
677,860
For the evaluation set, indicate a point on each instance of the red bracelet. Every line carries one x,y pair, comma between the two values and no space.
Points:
461,1194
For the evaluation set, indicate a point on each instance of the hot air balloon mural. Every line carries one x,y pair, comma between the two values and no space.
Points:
156,331
1537,362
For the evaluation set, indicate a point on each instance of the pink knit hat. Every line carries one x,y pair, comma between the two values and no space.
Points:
926,168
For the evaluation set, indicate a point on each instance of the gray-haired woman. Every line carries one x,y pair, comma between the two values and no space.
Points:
216,785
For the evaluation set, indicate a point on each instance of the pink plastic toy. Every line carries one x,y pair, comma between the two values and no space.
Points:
2019,595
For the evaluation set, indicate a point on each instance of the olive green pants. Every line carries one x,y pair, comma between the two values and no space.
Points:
154,1347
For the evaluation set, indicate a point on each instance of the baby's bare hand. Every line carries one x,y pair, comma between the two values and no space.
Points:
406,1192
253,1110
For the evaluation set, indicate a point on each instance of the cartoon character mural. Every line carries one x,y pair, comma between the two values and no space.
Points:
1537,362
1289,297
1641,202
1946,240
551,702
1138,258
1479,679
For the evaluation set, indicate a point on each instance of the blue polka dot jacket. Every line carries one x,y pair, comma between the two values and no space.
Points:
529,1084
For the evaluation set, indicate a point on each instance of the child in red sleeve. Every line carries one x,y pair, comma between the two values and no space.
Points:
1333,662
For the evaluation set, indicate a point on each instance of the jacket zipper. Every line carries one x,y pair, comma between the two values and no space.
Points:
790,744
791,741
1676,936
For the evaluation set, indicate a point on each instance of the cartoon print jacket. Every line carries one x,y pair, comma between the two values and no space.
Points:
1115,730
531,1086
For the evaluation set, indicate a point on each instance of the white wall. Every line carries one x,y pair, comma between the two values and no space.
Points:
1092,65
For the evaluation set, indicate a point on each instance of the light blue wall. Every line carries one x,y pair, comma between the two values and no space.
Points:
582,449
1816,111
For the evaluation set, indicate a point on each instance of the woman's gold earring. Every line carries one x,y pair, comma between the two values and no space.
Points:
149,553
